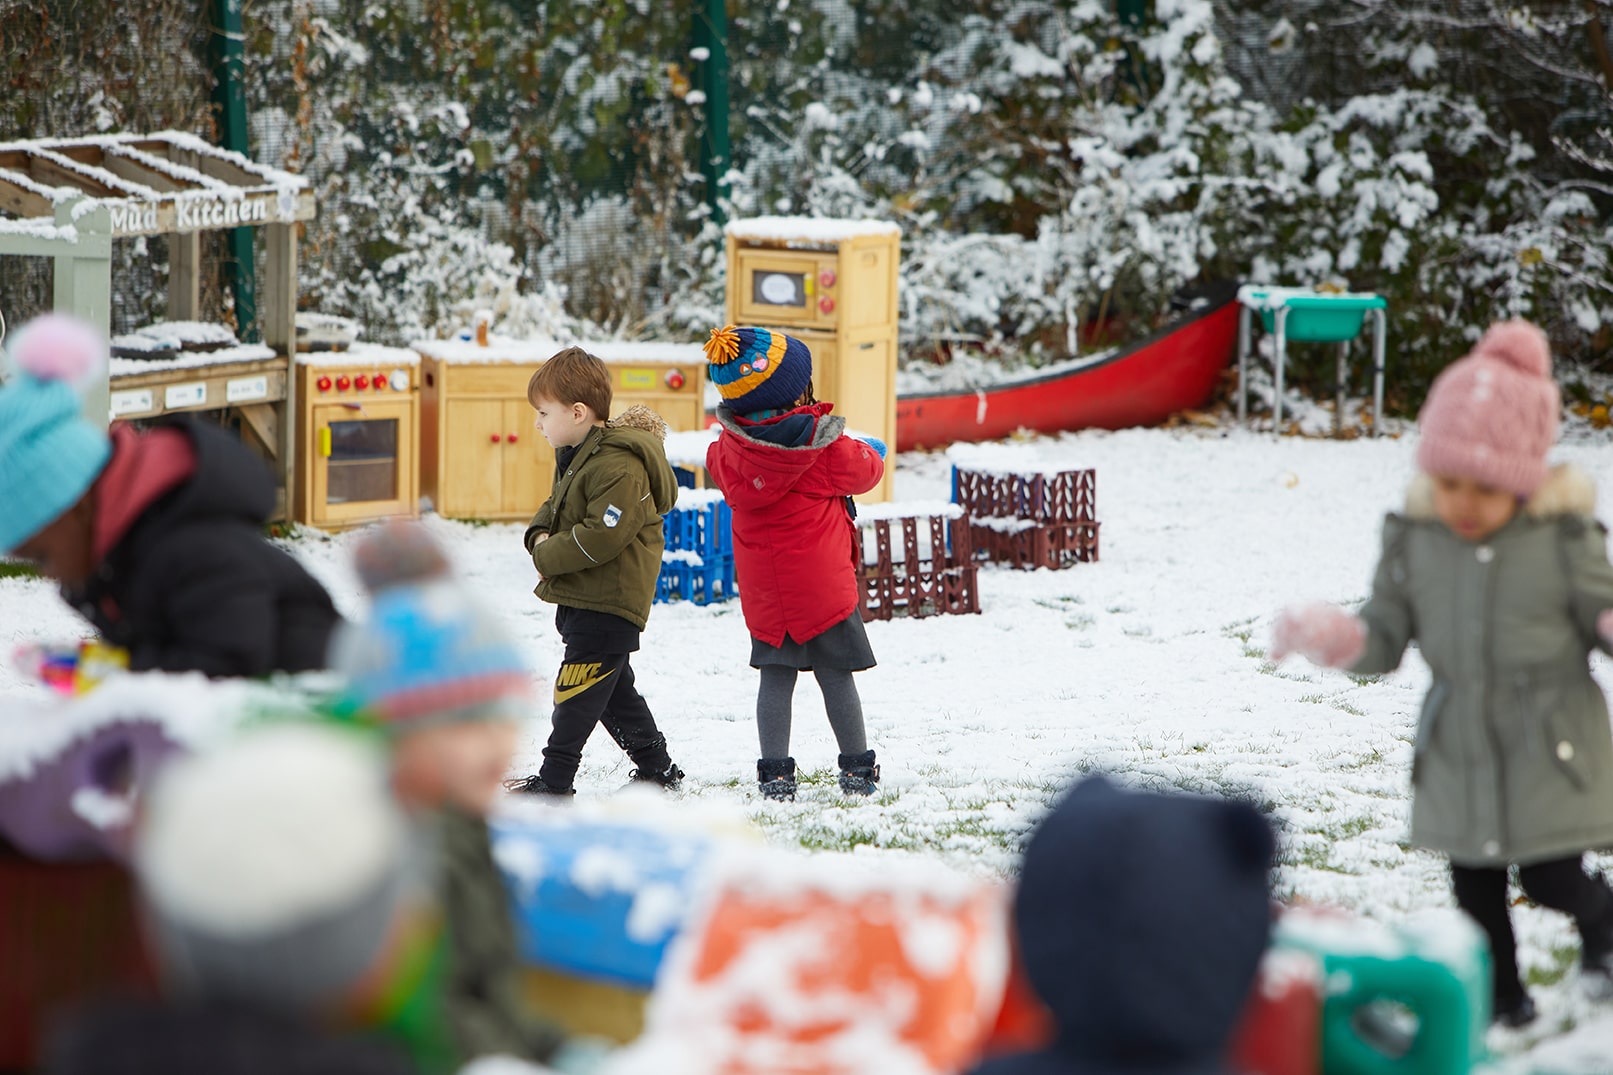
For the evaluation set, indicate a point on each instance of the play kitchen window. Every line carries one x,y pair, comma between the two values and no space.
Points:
362,455
788,288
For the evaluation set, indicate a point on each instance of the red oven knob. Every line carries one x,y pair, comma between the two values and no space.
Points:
827,278
343,383
826,304
674,379
362,381
324,384
380,382
510,438
496,438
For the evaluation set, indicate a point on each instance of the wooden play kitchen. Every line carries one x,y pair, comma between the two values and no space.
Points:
481,455
359,421
74,196
831,284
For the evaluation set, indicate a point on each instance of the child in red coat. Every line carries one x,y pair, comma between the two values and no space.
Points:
788,472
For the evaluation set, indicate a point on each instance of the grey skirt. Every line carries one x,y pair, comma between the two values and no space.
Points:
843,646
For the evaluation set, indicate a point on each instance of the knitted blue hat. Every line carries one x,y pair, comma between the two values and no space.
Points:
757,369
429,653
50,454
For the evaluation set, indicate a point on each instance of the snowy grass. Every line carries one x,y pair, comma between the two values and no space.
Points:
1149,664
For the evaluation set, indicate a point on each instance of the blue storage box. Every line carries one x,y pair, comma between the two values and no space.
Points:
597,899
698,564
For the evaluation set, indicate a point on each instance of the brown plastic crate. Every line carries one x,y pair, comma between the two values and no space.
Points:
1070,496
1036,544
934,580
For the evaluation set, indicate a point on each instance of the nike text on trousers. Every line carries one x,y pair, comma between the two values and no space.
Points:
597,688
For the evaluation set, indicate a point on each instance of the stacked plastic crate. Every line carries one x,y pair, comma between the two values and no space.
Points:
1030,518
916,561
698,564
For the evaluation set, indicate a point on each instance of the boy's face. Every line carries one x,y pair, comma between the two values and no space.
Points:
461,764
1471,509
64,550
564,425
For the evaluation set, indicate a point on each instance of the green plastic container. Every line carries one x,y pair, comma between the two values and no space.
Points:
1314,317
1409,1000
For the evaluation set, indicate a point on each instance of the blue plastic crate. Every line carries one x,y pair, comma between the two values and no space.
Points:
597,899
702,523
703,582
699,565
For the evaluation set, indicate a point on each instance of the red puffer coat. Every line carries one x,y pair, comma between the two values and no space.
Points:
795,546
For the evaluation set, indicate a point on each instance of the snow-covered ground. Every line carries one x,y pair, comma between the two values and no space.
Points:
1149,663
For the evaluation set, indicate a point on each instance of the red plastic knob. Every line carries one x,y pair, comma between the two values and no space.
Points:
826,304
827,278
324,384
343,383
495,438
674,379
380,383
510,438
362,381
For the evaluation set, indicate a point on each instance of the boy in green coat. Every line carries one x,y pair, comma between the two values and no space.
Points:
597,543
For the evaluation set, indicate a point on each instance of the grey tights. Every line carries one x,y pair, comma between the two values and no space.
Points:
840,699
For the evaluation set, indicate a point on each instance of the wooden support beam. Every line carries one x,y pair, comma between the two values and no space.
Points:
264,422
140,172
185,277
52,174
23,202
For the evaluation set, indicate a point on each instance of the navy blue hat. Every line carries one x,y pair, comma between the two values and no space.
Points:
757,369
1142,918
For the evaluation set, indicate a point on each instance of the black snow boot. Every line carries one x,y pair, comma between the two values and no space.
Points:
535,785
775,777
670,778
1596,951
858,773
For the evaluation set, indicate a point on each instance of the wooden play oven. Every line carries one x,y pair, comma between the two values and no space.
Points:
359,426
831,284
481,455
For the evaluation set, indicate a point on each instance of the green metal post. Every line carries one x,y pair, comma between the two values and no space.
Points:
227,46
711,34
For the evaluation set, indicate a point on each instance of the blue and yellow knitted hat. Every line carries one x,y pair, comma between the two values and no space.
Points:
757,369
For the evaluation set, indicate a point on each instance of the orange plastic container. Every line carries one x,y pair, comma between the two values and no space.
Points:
822,982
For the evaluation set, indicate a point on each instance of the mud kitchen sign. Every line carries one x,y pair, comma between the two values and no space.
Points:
188,213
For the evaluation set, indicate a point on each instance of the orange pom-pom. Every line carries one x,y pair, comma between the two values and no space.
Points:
723,346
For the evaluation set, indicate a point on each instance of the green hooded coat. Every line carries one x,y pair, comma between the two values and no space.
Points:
1513,756
603,520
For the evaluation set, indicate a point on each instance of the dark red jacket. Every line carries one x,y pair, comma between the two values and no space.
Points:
796,548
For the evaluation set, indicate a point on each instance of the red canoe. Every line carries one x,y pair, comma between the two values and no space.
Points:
1173,370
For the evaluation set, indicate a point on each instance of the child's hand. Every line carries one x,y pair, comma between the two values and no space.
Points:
873,442
539,540
1604,625
1321,633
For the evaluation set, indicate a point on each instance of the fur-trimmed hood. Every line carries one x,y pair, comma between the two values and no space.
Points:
1568,490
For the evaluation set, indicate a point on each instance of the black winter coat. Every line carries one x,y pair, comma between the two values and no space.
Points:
193,585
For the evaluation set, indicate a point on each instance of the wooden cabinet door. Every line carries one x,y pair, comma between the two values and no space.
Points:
471,484
528,461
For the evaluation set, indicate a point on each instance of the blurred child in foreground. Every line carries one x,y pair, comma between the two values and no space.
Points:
447,686
1498,569
155,537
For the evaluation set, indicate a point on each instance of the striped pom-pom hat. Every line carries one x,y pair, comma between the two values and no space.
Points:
757,369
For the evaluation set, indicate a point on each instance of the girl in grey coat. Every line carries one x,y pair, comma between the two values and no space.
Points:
1500,572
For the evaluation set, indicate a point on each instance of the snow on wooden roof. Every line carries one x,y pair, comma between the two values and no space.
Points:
151,184
799,229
